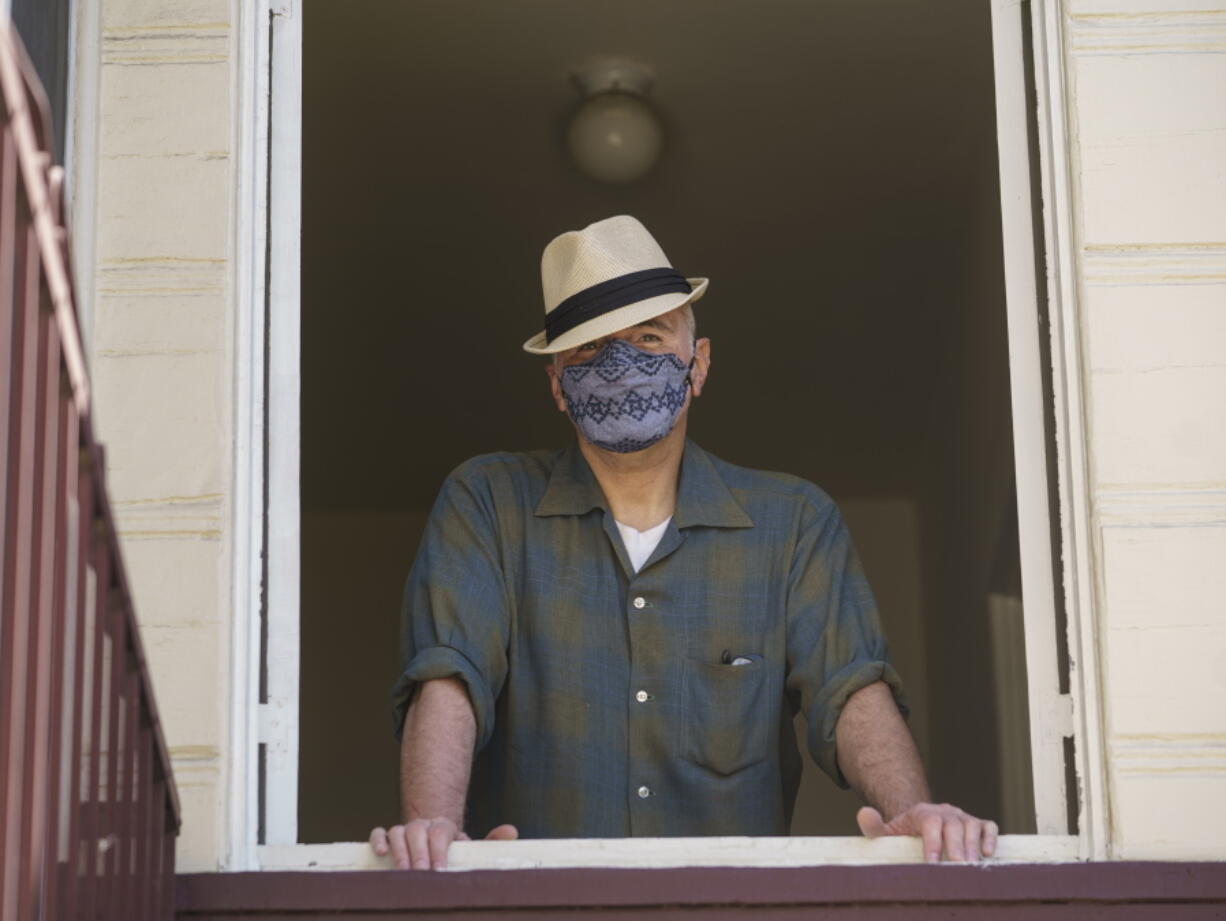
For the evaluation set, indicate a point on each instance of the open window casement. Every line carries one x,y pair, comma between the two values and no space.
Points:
1063,710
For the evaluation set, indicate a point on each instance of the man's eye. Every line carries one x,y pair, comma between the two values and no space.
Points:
588,346
652,337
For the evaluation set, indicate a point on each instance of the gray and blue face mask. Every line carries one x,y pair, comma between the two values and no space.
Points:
625,399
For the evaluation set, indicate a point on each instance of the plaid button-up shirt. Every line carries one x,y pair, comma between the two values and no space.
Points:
604,699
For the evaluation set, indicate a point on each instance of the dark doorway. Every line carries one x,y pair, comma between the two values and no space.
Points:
832,168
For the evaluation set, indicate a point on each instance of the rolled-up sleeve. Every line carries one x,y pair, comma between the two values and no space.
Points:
836,645
455,617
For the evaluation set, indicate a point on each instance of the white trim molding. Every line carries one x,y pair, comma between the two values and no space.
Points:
1155,32
1175,505
1047,706
266,442
283,422
1081,588
81,155
265,561
1170,755
658,853
1131,264
250,77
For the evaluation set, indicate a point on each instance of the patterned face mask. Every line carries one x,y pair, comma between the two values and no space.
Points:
625,399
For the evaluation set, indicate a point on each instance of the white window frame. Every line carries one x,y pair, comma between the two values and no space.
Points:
265,564
266,505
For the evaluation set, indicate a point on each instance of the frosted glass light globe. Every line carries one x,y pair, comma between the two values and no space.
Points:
615,137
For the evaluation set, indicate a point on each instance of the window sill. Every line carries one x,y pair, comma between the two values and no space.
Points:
659,853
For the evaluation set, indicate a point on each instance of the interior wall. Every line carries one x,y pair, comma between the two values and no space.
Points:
967,499
830,166
350,656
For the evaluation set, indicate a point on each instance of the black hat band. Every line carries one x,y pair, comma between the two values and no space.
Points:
609,295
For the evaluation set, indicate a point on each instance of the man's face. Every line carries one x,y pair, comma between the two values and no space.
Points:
666,334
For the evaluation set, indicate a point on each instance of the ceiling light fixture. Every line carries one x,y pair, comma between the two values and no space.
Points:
615,135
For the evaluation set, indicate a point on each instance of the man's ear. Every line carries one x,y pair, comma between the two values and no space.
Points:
555,385
702,364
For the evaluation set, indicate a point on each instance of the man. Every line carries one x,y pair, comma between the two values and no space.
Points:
613,639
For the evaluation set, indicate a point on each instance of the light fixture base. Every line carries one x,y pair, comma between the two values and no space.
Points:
611,74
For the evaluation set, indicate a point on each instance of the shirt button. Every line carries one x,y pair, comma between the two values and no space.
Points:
641,697
644,792
640,602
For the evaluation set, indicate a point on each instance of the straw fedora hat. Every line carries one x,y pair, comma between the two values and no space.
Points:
606,277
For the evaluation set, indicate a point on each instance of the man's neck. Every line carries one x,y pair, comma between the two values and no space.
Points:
641,487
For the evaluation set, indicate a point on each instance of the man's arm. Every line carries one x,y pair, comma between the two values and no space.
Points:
436,752
879,759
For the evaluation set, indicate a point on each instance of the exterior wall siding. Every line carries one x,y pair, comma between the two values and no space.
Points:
162,369
1147,115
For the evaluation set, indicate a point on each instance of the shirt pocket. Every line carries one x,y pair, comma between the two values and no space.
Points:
727,724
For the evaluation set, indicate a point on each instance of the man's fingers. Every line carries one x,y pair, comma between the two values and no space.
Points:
399,846
378,841
990,831
955,839
872,825
419,845
930,832
440,835
503,833
973,830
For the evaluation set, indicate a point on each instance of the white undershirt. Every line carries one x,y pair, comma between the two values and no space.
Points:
640,544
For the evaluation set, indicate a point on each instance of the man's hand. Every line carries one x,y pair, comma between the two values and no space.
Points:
422,844
961,836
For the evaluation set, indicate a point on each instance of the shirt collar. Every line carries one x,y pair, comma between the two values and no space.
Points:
702,496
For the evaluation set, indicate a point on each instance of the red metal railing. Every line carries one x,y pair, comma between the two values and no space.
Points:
90,811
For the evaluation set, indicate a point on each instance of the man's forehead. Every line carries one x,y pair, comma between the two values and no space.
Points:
665,321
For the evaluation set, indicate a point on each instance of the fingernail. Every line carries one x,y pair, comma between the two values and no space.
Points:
403,865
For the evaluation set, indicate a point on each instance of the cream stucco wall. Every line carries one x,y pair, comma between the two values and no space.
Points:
1147,120
1146,99
161,366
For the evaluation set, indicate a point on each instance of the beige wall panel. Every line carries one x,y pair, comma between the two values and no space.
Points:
1147,328
168,110
164,423
1166,680
163,207
1152,136
1173,811
168,320
1165,578
160,13
178,570
1159,427
198,778
161,368
188,663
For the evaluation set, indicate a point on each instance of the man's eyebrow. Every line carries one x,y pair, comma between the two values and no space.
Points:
655,323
